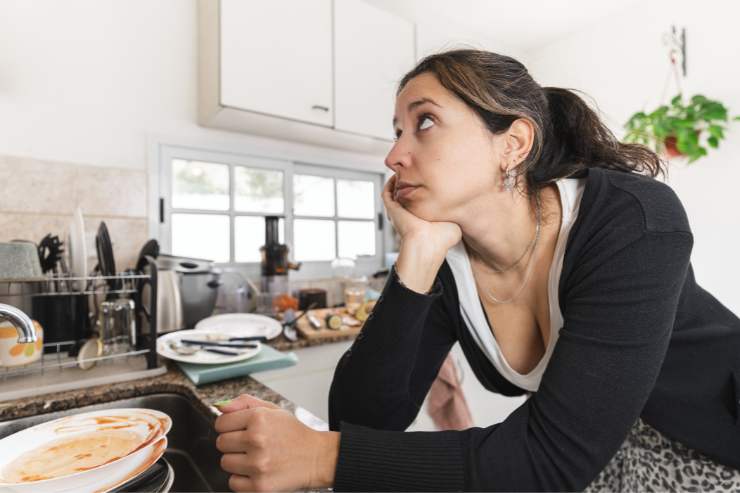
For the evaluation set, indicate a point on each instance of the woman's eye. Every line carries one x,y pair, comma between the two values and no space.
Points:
425,122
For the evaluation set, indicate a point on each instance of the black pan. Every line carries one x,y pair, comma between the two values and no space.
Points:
106,262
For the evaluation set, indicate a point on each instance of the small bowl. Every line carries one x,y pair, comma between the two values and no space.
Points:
14,354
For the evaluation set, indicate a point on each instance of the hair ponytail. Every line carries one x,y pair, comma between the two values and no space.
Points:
580,139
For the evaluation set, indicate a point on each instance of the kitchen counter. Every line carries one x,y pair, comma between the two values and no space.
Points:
174,381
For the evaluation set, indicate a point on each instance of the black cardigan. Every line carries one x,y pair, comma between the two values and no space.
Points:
640,338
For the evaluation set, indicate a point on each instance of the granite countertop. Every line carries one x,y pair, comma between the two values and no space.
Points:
174,381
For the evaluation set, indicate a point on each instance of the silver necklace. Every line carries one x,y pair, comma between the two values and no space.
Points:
531,243
528,272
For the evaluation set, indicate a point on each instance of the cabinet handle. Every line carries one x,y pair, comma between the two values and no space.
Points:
320,107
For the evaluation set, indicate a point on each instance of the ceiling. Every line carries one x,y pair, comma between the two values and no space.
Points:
522,26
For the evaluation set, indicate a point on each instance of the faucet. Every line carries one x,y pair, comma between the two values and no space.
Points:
21,321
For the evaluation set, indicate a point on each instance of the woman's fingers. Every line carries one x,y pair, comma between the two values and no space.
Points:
400,218
241,483
235,463
233,421
388,191
232,442
244,401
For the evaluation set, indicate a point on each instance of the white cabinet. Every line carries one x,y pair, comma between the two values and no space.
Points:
276,58
373,50
322,72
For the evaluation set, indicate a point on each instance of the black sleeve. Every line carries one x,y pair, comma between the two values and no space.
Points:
619,311
382,379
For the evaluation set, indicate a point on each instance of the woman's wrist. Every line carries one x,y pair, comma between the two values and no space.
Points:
418,263
327,460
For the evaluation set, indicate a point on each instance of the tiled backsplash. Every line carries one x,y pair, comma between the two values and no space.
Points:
39,197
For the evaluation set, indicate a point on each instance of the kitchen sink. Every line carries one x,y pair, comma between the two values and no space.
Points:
191,447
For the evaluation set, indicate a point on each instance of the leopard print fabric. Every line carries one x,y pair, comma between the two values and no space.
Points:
649,461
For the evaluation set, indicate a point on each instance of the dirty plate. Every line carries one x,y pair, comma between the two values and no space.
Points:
203,357
93,451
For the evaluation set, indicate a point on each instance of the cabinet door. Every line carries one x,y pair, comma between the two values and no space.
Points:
276,58
373,50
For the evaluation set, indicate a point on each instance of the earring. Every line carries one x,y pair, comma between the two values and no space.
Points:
509,180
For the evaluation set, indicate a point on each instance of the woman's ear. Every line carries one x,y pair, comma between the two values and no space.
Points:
519,141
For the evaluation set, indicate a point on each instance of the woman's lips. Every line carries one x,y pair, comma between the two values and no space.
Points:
404,191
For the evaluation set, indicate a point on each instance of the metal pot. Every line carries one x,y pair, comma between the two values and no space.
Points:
199,281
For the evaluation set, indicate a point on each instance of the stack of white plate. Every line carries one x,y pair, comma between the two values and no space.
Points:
225,328
94,451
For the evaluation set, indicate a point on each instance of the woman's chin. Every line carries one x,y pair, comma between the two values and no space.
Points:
425,210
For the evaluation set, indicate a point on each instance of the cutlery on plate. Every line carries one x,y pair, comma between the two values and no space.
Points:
227,338
197,342
185,350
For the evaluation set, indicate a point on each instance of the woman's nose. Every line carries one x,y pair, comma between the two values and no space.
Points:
397,157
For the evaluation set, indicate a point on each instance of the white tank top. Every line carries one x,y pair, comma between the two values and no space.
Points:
571,191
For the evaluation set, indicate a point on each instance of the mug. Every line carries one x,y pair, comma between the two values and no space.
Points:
14,354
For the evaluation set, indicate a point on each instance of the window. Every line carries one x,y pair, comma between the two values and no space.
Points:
333,217
214,207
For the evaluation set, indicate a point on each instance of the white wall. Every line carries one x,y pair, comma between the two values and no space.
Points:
444,24
88,81
622,64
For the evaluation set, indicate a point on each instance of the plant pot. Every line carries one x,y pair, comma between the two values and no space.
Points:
670,147
671,150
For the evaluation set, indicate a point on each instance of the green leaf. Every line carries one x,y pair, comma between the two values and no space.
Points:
715,131
683,145
676,100
693,138
661,131
715,113
713,141
658,113
684,123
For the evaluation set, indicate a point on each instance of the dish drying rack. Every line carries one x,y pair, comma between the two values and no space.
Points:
56,371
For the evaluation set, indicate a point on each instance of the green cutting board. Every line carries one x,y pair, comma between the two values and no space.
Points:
267,359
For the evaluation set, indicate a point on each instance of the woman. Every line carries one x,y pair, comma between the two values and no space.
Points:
551,253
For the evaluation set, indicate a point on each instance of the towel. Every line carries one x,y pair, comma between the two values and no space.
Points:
446,403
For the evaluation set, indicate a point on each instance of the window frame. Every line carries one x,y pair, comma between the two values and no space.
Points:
363,262
309,269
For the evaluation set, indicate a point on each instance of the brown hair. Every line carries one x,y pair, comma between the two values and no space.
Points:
569,136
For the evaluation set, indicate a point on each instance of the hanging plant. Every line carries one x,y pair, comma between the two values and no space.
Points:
680,129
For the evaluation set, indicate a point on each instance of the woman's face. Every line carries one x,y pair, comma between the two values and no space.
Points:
443,150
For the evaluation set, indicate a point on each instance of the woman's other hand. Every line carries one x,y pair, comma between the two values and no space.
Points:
424,244
267,448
